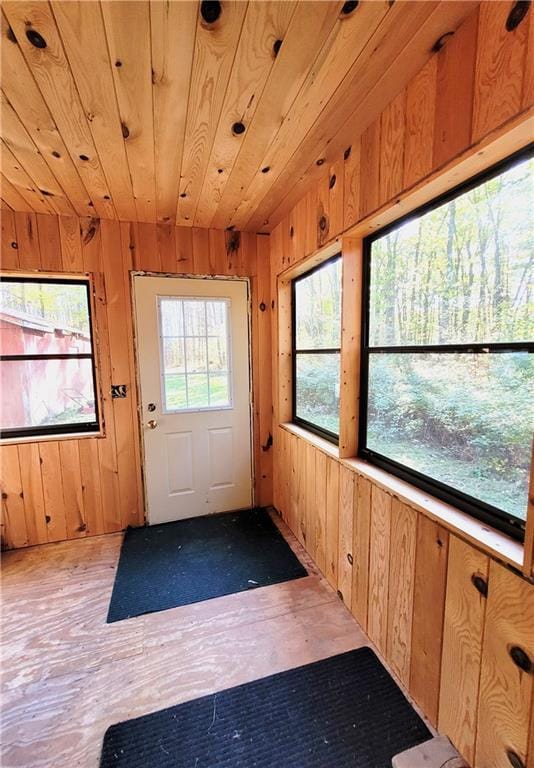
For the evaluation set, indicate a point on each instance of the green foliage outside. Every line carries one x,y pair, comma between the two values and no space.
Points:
63,306
197,389
318,326
462,273
462,420
318,390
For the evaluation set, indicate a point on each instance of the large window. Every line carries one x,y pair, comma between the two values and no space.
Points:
316,353
47,373
447,365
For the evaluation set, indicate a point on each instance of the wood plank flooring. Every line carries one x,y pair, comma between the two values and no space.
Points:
67,675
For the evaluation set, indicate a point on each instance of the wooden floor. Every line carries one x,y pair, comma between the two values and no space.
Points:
67,675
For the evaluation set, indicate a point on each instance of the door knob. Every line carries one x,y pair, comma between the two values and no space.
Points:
152,423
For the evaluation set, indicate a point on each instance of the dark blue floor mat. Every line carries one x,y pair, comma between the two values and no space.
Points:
164,566
342,712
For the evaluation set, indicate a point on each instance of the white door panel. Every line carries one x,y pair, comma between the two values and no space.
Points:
193,355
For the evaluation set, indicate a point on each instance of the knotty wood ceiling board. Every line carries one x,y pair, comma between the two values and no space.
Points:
205,114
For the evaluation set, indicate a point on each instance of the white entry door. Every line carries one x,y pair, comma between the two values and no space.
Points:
193,356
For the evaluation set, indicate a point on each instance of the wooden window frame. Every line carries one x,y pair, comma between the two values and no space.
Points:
71,431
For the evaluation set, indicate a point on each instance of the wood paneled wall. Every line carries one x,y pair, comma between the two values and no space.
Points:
64,489
418,591
480,80
415,584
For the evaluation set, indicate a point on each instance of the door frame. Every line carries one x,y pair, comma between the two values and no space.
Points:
139,405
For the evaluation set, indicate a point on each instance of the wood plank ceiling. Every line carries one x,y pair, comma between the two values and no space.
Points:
206,114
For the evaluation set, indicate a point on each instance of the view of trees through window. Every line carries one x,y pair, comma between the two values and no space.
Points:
317,308
195,351
46,368
445,288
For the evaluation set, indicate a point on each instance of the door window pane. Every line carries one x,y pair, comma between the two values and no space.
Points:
174,356
195,353
219,389
175,391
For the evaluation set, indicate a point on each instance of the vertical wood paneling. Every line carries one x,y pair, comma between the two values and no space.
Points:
505,690
71,478
285,354
166,237
332,520
336,198
49,242
285,455
71,247
419,133
91,487
297,228
528,73
500,62
27,240
352,171
311,502
392,126
32,488
370,169
323,211
454,92
262,311
9,257
351,307
428,607
184,250
377,615
346,511
53,491
14,531
302,497
119,346
360,549
147,253
401,585
465,608
293,459
320,506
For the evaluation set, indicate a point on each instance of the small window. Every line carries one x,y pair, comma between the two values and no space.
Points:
195,353
316,352
48,382
447,365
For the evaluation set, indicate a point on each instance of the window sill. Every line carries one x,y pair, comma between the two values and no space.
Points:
481,535
50,438
311,437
